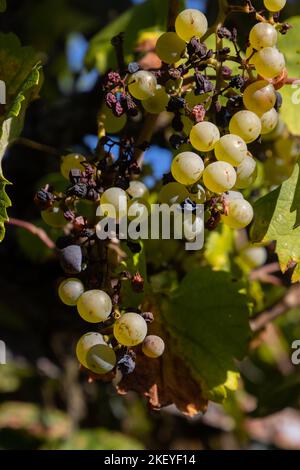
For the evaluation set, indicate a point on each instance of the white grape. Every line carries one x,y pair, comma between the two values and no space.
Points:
269,121
190,23
246,173
254,256
70,162
153,346
231,149
274,5
269,62
94,306
240,214
158,102
187,168
170,47
204,136
115,200
246,124
101,359
173,193
142,84
70,290
219,177
130,329
137,189
259,97
111,123
85,343
263,35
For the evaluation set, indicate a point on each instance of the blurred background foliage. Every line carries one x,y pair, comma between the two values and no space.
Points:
44,401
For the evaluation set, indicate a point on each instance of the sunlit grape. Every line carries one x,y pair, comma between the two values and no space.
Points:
153,346
246,173
246,124
85,343
240,214
94,306
219,177
259,97
158,102
170,47
130,329
204,136
72,161
231,149
70,290
187,168
142,84
190,23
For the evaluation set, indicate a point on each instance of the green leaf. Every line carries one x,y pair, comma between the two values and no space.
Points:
2,6
208,322
150,15
20,72
277,217
288,44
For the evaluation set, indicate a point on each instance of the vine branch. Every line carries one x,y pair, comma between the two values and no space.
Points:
39,232
37,146
172,13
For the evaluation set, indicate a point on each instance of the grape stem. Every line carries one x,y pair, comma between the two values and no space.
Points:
39,232
37,146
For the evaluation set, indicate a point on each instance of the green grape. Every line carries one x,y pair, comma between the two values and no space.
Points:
187,168
70,162
254,256
142,84
190,23
117,199
269,121
111,123
231,149
263,35
173,193
85,343
170,47
246,124
158,102
101,359
259,97
246,173
269,62
130,329
219,177
231,195
54,217
198,194
70,290
274,5
138,208
153,346
94,306
240,214
137,189
204,136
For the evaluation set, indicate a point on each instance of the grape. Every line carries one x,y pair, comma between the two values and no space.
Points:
269,121
109,121
204,136
142,85
259,97
231,149
269,62
54,217
240,214
231,195
153,346
170,47
246,173
190,23
137,189
85,343
130,329
219,177
198,194
70,290
192,227
245,124
274,5
117,199
187,168
101,359
263,35
254,256
173,193
70,162
70,259
94,306
158,102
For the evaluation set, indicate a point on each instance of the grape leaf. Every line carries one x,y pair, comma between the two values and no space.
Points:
20,74
149,15
291,93
277,217
205,328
